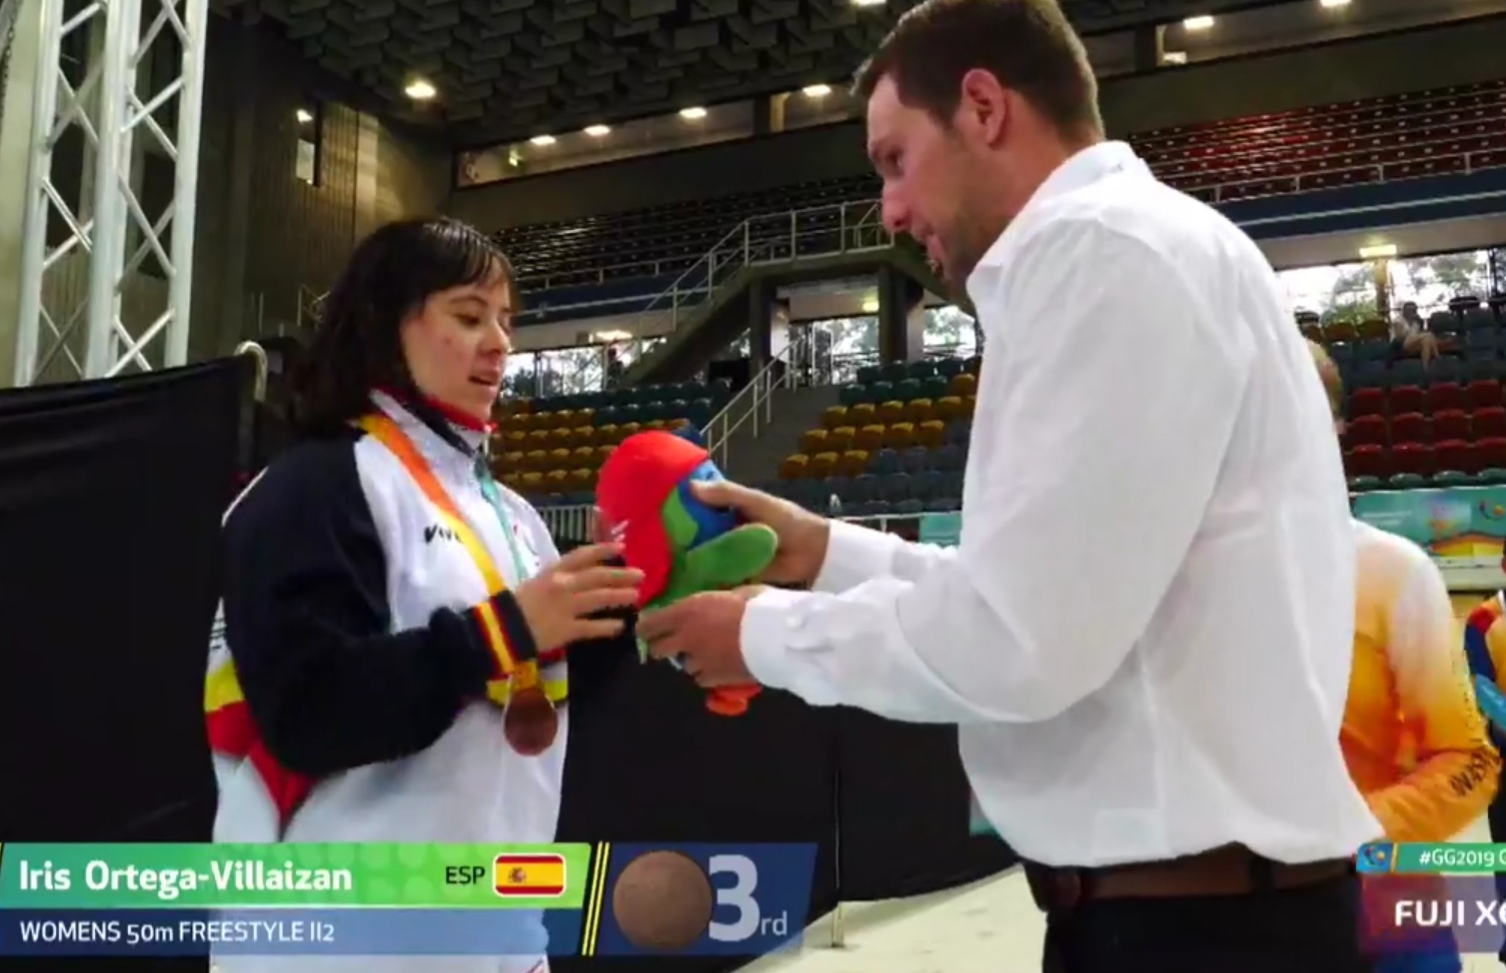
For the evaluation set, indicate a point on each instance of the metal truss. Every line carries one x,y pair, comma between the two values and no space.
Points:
90,274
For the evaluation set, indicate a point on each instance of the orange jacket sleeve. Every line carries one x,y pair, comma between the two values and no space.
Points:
1458,769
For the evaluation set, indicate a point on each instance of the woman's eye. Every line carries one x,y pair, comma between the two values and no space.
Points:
470,320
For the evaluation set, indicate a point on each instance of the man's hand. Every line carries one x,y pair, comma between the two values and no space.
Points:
704,632
803,536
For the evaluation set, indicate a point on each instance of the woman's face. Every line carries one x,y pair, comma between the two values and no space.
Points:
456,345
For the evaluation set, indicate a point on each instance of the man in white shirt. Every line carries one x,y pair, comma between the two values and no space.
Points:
1145,632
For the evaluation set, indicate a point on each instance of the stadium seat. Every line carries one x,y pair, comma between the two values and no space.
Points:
1367,402
1366,431
1445,396
1406,398
1413,458
1492,453
1368,460
1483,393
1451,424
1410,427
1489,422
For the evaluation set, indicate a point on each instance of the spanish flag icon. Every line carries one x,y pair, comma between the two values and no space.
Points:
530,876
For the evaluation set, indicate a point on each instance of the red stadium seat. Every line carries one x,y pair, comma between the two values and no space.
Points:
1492,453
1451,424
1410,427
1413,458
1368,460
1366,431
1407,398
1483,393
1457,455
1488,423
1367,402
1445,395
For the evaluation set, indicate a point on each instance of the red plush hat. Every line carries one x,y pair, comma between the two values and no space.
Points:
635,480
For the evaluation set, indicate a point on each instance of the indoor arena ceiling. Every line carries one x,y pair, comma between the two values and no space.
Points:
507,69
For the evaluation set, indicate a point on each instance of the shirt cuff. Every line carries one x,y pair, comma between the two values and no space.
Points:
854,555
764,636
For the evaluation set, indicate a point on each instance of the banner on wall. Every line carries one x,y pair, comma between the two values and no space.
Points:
944,530
1463,522
1463,528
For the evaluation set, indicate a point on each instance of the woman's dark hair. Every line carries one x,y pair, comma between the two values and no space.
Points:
355,347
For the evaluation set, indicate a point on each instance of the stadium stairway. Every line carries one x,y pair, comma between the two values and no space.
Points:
752,457
710,302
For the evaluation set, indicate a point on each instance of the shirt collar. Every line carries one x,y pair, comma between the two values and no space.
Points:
1082,169
435,446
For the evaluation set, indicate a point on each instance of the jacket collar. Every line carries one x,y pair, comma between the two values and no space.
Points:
1088,166
441,438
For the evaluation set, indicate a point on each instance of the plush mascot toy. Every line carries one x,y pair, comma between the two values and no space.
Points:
682,546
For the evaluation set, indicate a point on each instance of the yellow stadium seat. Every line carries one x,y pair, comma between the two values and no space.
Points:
578,479
862,414
538,439
514,441
969,405
891,412
585,417
822,465
949,407
931,433
561,437
532,482
583,457
853,462
582,436
920,410
675,424
513,481
654,424
840,439
602,452
870,437
556,481
901,435
514,461
794,467
627,429
536,461
961,384
559,459
607,435
812,441
834,417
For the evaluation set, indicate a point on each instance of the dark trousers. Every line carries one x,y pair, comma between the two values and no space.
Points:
1309,929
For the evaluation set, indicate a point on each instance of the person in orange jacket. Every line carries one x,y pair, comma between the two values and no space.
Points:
1485,647
1413,735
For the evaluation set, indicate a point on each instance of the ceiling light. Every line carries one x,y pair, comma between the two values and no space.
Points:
816,90
597,131
870,305
1174,57
692,113
1378,252
420,90
305,116
542,140
613,336
1201,22
867,3
1333,3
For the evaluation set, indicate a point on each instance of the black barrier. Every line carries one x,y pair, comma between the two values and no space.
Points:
110,499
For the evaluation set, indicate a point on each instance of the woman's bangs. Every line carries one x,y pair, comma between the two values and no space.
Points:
461,257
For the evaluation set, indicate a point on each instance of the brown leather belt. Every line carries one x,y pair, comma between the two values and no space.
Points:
1229,870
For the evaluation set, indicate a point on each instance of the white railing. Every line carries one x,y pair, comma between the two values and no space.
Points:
309,303
574,522
754,402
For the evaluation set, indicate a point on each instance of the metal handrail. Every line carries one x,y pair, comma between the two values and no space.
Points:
574,521
759,393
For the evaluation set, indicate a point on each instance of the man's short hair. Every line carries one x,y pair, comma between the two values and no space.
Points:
1333,382
1027,44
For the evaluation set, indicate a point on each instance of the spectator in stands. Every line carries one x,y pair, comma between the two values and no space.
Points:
614,367
392,618
1413,736
1410,334
1150,435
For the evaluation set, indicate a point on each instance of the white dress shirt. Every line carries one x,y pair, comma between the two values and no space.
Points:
1145,632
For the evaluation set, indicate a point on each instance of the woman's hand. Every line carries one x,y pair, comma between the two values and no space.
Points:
557,602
